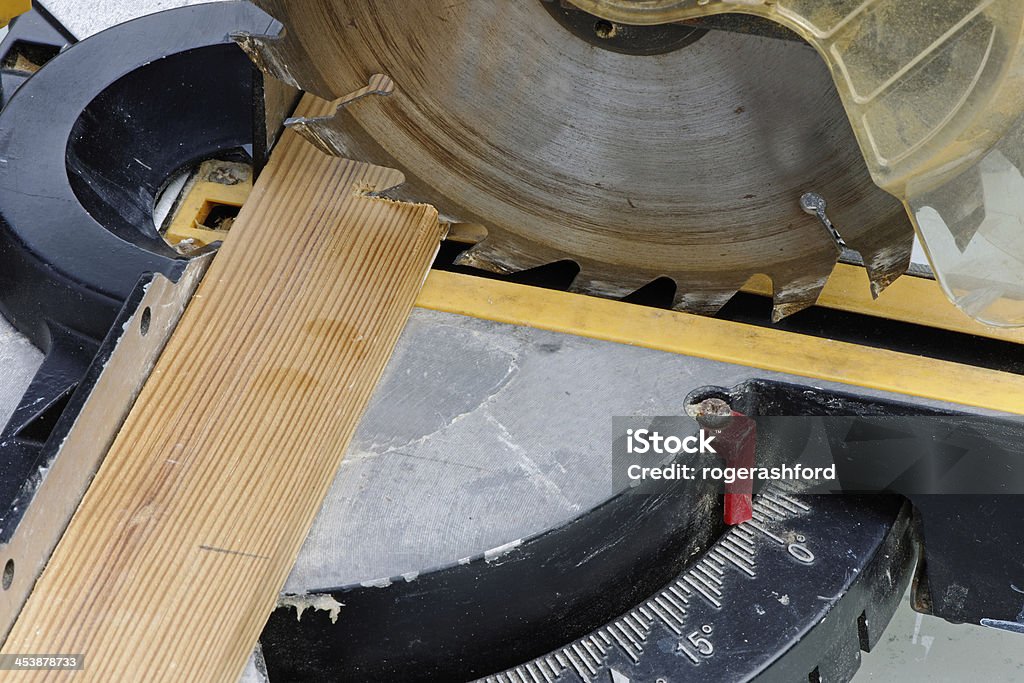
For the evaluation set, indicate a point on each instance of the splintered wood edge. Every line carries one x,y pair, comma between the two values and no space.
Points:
175,558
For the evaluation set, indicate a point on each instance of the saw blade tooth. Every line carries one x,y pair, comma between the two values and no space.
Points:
798,293
884,243
277,57
886,263
283,56
601,287
611,283
703,302
499,254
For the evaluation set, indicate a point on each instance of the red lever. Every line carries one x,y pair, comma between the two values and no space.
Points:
736,443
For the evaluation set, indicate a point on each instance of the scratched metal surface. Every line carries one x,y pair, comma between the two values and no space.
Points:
481,433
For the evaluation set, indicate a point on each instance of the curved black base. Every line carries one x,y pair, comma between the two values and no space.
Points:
87,144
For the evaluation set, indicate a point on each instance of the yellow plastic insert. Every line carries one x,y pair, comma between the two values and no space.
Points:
12,8
935,92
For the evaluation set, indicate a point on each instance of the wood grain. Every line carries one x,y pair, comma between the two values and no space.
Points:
175,557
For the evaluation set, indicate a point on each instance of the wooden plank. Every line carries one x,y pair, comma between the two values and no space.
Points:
175,557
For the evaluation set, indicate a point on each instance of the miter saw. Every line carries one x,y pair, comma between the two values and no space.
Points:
664,152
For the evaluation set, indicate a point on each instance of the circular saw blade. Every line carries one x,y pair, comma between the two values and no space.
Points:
688,165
